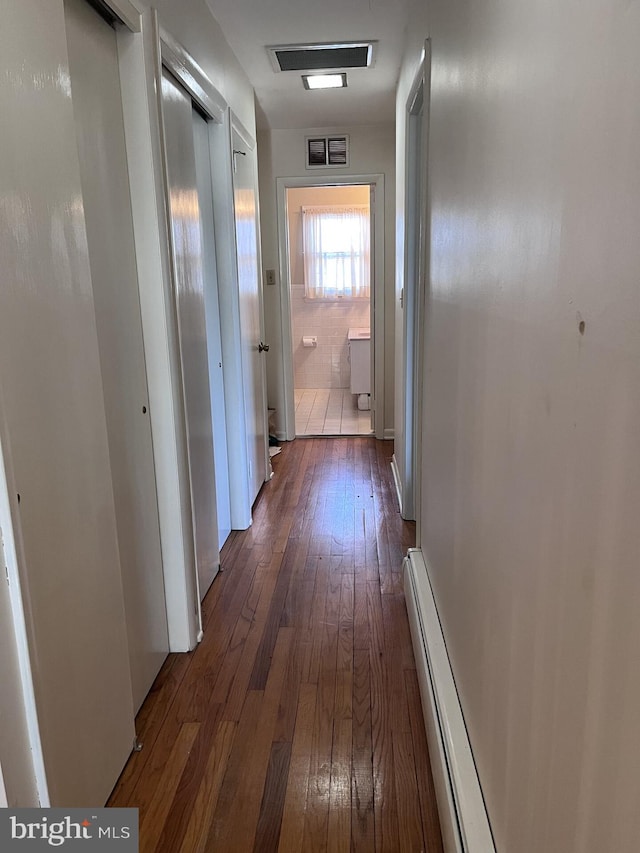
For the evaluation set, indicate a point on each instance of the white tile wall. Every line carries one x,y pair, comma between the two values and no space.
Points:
327,365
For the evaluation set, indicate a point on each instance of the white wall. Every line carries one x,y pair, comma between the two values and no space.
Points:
531,476
281,153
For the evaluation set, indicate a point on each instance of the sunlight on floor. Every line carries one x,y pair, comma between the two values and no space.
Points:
329,412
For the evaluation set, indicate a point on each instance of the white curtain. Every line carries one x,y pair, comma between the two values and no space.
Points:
336,251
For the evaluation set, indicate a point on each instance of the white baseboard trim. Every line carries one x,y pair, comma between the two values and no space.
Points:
396,480
463,817
389,434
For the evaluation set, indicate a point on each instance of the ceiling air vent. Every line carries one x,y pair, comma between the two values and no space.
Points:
325,151
322,57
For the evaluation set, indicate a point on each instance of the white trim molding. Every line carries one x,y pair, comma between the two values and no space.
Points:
396,480
184,67
242,131
127,14
463,816
123,11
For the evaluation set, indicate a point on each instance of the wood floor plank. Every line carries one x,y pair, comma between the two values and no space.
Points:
231,793
410,835
293,554
288,707
318,797
344,660
385,803
295,803
271,808
196,693
361,637
236,817
152,819
227,668
398,653
296,724
206,799
240,684
339,827
362,789
424,778
186,793
315,632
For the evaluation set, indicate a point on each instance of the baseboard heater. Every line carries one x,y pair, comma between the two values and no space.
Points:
463,817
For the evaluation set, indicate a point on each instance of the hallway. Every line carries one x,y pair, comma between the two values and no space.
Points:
296,725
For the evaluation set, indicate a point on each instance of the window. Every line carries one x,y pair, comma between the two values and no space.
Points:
336,251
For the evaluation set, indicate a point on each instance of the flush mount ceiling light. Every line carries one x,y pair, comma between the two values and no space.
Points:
324,57
324,81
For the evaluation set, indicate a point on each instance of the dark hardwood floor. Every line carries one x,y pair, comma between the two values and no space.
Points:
296,724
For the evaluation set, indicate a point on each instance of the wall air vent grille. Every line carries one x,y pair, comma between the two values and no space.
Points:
327,151
321,57
337,150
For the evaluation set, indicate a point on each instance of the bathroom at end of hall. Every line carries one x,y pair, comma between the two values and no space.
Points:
329,240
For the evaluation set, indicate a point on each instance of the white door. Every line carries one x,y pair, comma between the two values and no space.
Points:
187,257
415,287
214,338
97,106
249,283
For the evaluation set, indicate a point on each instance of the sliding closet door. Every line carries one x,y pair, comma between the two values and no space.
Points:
214,339
187,251
97,108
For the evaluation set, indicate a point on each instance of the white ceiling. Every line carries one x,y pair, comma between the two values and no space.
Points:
250,25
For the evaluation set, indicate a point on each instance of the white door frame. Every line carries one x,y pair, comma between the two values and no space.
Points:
139,55
416,279
376,182
143,48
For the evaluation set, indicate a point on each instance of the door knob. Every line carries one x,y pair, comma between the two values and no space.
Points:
263,347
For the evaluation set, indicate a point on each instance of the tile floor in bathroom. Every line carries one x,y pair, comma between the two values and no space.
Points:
329,412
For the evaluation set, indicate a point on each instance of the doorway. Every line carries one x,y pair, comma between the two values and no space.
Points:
332,302
329,274
245,207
